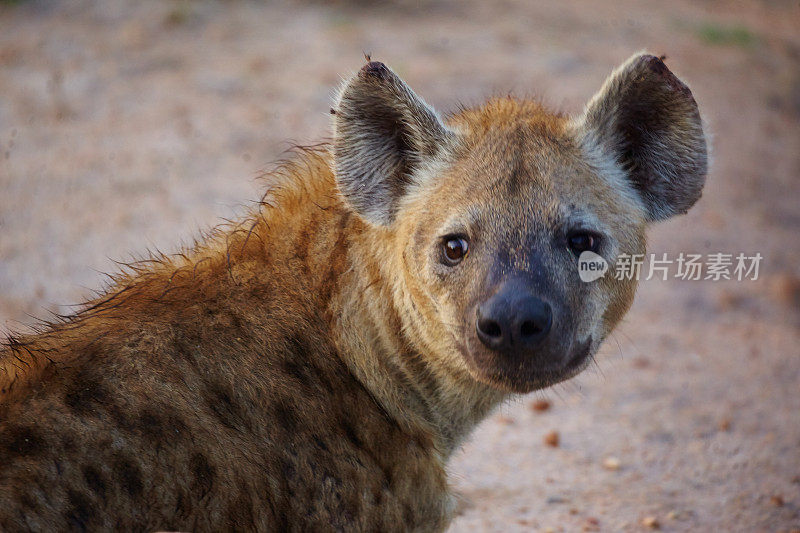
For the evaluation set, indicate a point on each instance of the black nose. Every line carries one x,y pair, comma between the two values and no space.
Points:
513,319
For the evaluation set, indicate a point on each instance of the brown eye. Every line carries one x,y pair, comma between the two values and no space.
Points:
455,249
580,242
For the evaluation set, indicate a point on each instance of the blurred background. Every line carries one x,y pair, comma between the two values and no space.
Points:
131,125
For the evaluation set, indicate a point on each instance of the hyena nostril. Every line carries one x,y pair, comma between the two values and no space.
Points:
529,328
489,327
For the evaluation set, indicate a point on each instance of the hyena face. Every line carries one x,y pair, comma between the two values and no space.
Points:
489,210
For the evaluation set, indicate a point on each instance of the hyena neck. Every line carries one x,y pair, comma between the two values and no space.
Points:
374,338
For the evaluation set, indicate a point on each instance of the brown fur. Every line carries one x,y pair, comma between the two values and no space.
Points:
312,367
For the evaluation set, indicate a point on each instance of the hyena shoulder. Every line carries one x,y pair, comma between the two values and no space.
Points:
211,383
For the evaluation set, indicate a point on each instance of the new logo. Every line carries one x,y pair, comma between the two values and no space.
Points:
591,266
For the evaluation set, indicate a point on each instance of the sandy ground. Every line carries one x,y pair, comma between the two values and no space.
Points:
128,125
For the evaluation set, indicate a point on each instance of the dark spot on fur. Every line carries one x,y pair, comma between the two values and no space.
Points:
128,475
236,322
351,433
186,350
67,441
151,424
21,441
175,426
296,363
288,470
28,501
121,419
304,241
388,476
298,374
222,404
183,505
320,443
161,426
203,473
95,480
84,393
80,510
285,416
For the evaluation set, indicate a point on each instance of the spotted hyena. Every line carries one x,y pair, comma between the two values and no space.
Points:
314,366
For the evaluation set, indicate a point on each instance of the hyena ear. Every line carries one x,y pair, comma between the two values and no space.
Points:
647,119
382,133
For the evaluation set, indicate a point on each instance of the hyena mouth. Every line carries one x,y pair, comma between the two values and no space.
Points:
571,363
579,355
533,371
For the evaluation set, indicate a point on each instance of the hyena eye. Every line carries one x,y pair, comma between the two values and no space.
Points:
581,241
454,249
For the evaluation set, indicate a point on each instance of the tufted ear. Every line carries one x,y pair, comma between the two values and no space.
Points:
382,133
647,120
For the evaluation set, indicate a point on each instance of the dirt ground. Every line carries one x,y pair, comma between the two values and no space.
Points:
129,125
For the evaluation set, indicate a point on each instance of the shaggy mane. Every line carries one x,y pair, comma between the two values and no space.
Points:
158,278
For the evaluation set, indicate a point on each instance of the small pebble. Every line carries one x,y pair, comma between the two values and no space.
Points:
651,522
611,463
552,439
785,288
540,405
777,501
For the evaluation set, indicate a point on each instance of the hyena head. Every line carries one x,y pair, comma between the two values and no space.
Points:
487,211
